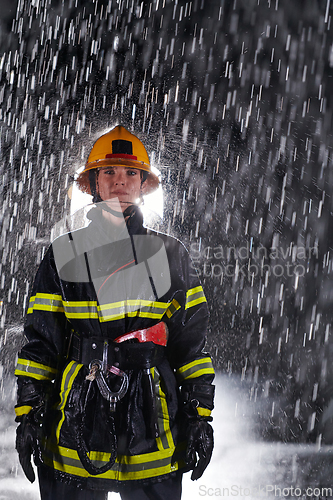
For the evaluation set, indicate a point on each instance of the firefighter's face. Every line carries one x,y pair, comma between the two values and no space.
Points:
122,183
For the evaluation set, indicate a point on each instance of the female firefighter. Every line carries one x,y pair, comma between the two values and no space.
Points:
114,390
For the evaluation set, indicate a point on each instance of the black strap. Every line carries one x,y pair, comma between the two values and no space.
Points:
82,448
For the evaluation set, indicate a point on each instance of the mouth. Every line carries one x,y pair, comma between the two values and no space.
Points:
119,193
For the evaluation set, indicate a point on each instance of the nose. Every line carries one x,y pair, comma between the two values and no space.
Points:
120,178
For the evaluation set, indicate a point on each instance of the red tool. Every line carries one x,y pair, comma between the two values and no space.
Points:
158,334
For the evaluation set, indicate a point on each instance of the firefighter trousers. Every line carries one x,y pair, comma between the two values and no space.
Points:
165,490
51,489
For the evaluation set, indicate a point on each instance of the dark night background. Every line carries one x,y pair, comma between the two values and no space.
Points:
233,100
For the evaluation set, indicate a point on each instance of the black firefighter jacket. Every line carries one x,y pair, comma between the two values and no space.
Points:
102,282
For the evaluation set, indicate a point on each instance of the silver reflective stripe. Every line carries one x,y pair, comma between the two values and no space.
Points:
125,468
195,369
45,302
35,370
195,296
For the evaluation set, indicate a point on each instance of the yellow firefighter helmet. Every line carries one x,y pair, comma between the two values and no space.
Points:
119,147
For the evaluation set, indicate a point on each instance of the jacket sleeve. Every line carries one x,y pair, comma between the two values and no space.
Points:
188,326
45,328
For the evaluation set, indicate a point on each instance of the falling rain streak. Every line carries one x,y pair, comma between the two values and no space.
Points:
234,102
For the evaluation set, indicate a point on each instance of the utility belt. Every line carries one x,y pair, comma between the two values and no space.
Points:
124,356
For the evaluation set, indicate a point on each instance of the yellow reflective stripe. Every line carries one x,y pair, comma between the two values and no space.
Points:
132,308
166,419
81,315
194,296
174,306
48,296
196,362
32,369
151,472
105,312
203,412
105,457
115,474
195,369
83,309
195,302
198,373
143,314
139,314
165,440
159,441
125,468
80,303
68,377
23,373
192,291
132,302
22,410
45,302
119,310
33,364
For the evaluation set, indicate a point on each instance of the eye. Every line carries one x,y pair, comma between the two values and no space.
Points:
131,172
109,171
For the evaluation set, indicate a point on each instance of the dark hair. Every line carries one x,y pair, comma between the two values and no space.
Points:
93,173
144,176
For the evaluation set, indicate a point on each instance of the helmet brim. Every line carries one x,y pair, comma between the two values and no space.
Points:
150,184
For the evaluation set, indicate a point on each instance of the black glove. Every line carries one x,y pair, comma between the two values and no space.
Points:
27,443
198,401
31,393
200,441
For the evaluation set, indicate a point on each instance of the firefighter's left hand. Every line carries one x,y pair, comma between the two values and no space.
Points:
200,444
27,444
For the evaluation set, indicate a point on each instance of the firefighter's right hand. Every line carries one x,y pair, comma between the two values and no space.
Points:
200,444
27,444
